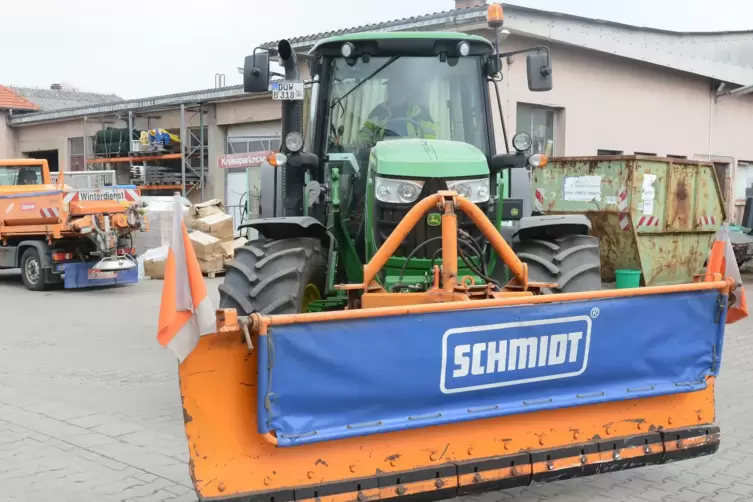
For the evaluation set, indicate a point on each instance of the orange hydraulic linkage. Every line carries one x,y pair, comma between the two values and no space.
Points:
447,202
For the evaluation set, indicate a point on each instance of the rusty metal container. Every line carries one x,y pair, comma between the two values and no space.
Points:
657,215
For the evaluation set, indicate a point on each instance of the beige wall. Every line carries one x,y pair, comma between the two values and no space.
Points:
607,102
52,136
248,111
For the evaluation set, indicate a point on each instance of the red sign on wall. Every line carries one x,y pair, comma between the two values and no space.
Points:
251,159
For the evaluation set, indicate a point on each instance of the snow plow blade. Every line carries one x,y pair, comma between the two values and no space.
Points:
446,399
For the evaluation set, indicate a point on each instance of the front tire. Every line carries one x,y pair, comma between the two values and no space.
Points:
572,261
32,272
275,276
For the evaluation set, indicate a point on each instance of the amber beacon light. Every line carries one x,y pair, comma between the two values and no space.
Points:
495,16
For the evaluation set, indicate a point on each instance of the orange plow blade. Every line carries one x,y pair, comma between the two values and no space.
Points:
387,403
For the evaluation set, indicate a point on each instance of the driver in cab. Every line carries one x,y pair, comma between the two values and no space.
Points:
400,115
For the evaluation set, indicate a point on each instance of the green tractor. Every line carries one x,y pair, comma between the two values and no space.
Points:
393,118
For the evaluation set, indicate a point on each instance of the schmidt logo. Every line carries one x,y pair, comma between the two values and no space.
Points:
499,355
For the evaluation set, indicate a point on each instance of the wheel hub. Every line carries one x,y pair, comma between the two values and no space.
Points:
32,270
310,294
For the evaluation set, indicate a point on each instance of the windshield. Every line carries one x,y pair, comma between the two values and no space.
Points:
393,98
20,175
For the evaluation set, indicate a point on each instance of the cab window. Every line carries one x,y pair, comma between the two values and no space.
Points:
20,175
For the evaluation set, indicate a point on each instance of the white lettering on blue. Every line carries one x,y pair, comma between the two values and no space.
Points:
489,357
481,357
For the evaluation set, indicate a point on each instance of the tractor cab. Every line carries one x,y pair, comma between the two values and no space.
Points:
390,119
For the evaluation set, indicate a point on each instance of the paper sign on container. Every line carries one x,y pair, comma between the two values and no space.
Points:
582,188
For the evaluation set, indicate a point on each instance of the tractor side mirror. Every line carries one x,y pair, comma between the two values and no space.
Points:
256,72
539,72
507,161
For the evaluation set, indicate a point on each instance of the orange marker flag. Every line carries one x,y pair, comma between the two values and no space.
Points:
186,311
722,260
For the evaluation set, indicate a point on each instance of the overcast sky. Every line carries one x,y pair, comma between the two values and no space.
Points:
146,48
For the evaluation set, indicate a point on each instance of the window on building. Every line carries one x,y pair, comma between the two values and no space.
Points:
246,144
645,154
77,157
537,121
608,152
743,181
677,156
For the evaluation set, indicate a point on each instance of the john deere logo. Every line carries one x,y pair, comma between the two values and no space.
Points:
434,219
514,211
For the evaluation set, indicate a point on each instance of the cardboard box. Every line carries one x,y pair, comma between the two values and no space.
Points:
205,245
229,247
154,269
213,264
218,225
207,208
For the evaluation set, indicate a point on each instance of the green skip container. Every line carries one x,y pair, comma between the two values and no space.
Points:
627,278
655,215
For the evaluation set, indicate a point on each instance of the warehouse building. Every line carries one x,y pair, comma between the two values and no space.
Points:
617,89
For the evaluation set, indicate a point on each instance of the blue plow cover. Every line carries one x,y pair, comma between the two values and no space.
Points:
330,380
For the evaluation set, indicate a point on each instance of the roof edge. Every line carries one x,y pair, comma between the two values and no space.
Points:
143,104
409,22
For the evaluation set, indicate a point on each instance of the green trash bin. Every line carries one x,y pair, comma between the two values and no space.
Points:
627,278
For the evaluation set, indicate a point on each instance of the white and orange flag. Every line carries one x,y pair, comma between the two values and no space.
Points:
186,312
722,260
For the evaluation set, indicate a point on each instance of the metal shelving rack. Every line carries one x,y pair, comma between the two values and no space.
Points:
191,147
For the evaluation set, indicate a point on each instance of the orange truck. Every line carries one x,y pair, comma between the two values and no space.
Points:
58,235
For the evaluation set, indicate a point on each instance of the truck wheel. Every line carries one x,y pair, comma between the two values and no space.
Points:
32,272
275,276
573,262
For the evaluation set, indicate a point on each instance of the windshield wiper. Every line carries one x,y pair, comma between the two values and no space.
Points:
385,65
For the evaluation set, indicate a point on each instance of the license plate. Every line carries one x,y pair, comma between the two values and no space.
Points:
287,90
99,274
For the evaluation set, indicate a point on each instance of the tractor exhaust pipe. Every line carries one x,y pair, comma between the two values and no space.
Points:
292,111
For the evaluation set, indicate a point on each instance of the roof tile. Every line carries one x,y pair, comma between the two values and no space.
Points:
58,99
11,100
377,26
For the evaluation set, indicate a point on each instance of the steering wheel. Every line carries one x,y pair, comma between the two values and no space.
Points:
407,120
364,150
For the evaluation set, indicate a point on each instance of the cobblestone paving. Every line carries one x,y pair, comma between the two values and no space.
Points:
90,410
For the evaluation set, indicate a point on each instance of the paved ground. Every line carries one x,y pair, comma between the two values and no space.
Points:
90,410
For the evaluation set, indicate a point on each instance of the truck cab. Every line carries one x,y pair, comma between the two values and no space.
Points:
61,235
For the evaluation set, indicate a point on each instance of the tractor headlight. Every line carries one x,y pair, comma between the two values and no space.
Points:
396,191
294,142
476,190
522,142
347,49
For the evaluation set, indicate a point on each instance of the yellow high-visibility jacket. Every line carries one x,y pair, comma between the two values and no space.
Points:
374,130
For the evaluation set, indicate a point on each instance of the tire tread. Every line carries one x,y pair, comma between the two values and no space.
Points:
572,262
269,276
